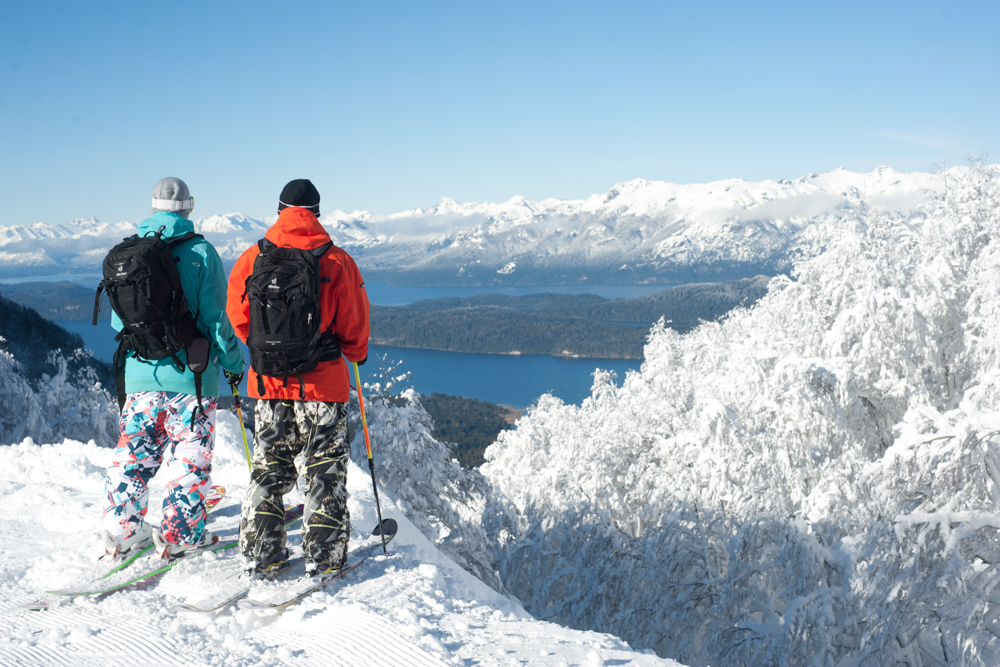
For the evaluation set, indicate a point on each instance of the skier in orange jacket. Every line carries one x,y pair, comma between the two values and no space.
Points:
298,412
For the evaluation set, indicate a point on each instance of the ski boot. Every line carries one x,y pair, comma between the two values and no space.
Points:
264,570
115,549
315,569
165,549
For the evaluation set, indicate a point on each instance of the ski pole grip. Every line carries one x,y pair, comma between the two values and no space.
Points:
236,395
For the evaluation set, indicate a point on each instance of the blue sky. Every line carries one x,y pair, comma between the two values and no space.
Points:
388,106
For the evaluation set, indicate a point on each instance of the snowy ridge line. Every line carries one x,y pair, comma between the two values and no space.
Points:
639,231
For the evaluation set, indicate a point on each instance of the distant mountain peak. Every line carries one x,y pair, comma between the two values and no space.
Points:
639,230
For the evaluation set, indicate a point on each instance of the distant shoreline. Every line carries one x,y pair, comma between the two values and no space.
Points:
374,341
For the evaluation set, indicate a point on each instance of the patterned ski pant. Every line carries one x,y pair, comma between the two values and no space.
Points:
285,429
156,425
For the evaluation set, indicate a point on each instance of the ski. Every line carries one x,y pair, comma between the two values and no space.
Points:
119,578
235,588
213,499
288,596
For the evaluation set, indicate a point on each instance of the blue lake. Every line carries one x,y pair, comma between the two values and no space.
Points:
511,380
383,294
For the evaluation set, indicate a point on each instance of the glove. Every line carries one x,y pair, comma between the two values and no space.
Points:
234,378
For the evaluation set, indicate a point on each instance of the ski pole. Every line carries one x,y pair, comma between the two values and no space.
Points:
371,462
239,414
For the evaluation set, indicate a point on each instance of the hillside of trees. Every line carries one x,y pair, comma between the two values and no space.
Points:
50,387
468,424
499,330
30,339
57,301
583,325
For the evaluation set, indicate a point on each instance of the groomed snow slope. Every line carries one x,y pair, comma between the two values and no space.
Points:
415,607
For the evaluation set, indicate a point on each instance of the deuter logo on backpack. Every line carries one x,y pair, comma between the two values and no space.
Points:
283,295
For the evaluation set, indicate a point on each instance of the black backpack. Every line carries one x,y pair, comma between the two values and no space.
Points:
284,337
144,288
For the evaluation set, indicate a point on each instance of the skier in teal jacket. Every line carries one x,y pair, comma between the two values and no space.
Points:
205,285
162,420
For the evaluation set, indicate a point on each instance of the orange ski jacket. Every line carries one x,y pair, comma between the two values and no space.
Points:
343,309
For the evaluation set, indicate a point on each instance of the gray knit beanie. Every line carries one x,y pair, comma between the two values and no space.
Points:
172,194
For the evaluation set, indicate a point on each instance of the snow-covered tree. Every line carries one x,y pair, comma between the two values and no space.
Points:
75,404
69,404
20,416
808,481
443,499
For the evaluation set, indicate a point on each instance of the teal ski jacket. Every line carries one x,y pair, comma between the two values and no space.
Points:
204,284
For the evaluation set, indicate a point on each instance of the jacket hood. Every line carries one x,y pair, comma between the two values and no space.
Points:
173,224
297,227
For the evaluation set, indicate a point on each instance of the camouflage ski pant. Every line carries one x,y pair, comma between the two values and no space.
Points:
156,426
285,429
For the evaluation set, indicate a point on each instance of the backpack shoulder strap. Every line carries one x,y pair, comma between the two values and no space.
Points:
318,254
264,245
320,251
183,238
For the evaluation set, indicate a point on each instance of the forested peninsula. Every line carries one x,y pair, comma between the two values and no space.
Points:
578,325
583,325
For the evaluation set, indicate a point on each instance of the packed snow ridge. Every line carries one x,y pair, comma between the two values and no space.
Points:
415,607
639,231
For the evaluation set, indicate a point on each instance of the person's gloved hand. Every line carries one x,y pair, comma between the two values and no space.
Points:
233,378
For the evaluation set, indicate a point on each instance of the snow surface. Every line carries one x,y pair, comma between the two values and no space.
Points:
416,607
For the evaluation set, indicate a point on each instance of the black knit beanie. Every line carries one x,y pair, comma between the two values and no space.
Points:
300,192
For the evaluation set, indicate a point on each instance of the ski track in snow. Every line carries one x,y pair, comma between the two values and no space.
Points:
414,607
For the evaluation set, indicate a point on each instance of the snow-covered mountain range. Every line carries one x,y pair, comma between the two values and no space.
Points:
638,232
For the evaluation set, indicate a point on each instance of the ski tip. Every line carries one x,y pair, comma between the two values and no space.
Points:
387,527
214,496
247,603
